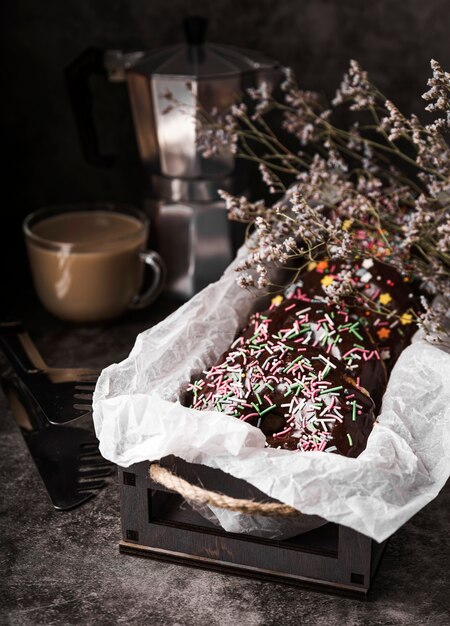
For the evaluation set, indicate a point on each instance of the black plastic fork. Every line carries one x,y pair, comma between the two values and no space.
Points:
62,395
67,457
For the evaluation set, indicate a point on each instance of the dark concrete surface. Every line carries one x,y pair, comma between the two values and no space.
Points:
64,568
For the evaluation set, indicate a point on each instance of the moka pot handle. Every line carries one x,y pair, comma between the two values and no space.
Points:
77,76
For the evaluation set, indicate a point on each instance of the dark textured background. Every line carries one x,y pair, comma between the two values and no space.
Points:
393,39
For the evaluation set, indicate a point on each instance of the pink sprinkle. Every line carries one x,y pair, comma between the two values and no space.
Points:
291,306
335,417
283,432
244,418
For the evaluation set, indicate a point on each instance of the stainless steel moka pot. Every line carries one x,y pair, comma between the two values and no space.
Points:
167,88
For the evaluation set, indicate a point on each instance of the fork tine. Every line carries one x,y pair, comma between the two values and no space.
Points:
94,463
82,387
89,446
98,472
90,452
86,408
90,484
83,396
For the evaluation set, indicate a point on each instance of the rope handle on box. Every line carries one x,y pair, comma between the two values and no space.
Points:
199,495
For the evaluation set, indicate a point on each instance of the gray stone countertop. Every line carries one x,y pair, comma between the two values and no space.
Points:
65,567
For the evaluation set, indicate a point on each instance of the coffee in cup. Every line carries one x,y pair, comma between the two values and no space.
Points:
88,261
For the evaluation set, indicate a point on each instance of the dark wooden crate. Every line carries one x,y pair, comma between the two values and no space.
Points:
159,524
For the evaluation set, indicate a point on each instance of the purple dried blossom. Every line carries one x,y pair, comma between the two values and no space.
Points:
439,97
356,88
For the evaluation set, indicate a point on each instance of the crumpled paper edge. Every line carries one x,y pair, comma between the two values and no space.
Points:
405,465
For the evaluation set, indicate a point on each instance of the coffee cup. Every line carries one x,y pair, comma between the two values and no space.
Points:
88,260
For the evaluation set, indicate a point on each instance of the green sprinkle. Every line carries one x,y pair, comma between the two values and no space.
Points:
269,408
354,410
353,330
349,437
326,371
292,363
325,391
270,387
258,397
255,407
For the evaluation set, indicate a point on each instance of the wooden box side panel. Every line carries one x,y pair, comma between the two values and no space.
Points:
144,524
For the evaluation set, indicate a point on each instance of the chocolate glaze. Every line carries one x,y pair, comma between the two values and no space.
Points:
300,397
380,282
333,329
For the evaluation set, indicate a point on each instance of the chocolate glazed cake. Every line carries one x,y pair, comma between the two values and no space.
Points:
310,374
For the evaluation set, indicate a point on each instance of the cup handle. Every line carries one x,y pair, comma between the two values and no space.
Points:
151,258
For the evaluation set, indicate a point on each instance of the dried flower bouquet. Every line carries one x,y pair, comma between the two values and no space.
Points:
379,189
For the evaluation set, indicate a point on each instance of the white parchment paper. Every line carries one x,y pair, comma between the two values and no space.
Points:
138,417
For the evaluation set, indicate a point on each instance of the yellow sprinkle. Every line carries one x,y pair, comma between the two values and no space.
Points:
406,318
312,266
327,280
385,298
347,224
277,300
